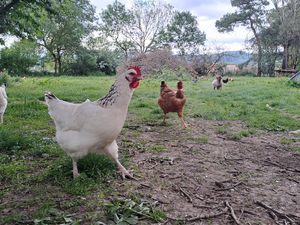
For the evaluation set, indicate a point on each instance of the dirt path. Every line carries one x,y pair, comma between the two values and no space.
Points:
203,175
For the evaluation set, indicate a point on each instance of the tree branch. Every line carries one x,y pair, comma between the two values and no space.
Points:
5,9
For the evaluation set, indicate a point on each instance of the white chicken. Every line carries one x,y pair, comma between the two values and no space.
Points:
217,83
92,127
3,102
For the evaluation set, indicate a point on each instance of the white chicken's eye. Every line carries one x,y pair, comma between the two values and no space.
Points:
132,74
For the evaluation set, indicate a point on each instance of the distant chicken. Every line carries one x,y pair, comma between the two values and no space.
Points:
172,101
225,80
3,102
217,82
92,127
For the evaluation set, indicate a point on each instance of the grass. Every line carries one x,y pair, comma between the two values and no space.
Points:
33,167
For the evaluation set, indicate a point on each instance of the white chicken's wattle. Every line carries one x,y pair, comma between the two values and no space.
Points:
92,127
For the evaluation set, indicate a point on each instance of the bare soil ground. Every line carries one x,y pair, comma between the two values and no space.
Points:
199,175
206,177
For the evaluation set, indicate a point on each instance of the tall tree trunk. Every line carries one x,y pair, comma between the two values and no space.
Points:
259,59
59,61
55,63
285,57
259,53
59,64
55,66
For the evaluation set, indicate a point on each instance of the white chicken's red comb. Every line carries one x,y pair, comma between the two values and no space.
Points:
137,70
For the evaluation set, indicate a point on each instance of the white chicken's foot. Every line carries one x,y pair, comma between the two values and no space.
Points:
125,173
75,169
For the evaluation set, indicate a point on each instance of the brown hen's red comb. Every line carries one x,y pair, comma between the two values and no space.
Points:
137,70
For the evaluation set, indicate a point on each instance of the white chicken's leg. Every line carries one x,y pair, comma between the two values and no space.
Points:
1,118
112,150
75,169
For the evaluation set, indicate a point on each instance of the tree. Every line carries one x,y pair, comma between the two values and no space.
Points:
150,19
115,22
183,33
63,32
18,17
138,28
288,14
270,48
251,14
19,57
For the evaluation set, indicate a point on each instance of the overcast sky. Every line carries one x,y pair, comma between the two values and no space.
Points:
207,12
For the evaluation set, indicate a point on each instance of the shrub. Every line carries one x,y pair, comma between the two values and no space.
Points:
19,58
158,62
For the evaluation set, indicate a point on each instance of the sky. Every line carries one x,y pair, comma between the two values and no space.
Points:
207,12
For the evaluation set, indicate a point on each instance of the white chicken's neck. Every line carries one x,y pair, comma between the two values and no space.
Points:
119,95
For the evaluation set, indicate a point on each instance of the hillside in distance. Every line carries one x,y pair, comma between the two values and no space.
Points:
235,57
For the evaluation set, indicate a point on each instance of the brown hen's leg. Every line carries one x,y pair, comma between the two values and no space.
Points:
165,116
183,124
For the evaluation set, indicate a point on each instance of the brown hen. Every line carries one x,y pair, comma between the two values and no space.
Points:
172,100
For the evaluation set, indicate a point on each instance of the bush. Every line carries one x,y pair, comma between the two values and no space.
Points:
4,78
19,57
90,61
158,62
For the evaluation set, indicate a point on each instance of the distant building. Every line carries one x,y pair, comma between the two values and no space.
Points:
231,68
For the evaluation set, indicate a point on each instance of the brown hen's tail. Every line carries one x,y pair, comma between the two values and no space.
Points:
162,86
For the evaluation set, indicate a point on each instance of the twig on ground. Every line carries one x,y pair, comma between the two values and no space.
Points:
249,212
186,194
200,217
232,213
202,206
175,177
197,196
233,159
279,213
274,217
228,188
291,179
152,167
145,185
219,136
282,166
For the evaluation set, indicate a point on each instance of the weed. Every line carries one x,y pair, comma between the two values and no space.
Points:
131,212
221,130
286,141
157,148
234,136
94,171
48,214
13,170
295,149
201,139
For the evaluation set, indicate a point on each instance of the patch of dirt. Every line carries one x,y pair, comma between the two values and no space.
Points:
216,180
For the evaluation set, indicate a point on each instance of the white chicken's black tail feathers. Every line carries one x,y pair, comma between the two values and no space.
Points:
49,96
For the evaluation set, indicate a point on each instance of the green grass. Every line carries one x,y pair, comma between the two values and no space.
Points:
31,160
